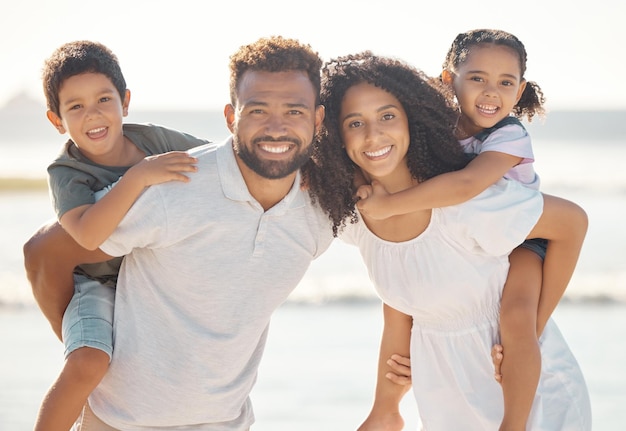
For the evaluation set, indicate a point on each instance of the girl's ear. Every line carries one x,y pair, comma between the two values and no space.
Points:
520,91
56,121
446,77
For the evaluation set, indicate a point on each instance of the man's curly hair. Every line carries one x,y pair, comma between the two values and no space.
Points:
275,54
433,149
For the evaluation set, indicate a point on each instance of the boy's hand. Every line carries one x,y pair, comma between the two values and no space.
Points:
161,168
373,201
401,366
496,356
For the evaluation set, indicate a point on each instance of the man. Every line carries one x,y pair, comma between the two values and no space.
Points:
208,261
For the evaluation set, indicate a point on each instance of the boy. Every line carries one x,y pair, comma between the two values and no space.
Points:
87,98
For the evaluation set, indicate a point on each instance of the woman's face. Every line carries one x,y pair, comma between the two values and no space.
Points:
375,130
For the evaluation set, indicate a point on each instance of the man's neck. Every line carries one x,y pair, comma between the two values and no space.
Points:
268,192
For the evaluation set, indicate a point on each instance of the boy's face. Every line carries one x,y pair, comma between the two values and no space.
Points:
91,111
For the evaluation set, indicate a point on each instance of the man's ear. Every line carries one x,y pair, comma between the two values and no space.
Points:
446,77
56,121
229,115
320,113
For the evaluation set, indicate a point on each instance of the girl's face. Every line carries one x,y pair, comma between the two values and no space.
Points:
375,130
487,85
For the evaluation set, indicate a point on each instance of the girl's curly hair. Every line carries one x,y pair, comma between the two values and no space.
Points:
433,149
532,101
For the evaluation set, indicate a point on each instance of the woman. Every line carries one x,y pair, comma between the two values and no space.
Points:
439,272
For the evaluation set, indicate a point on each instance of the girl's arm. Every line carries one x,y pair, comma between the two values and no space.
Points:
443,190
564,225
90,225
396,339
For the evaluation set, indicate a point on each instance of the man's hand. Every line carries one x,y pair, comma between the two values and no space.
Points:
496,356
401,367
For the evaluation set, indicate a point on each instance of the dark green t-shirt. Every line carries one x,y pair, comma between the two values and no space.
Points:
73,179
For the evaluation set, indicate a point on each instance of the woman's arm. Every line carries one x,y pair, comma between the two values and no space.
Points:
396,339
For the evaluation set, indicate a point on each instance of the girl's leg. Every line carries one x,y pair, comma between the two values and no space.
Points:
521,366
62,405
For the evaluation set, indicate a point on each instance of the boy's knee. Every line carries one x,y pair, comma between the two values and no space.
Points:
88,364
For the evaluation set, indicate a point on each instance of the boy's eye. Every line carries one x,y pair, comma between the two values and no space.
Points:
105,99
388,116
74,107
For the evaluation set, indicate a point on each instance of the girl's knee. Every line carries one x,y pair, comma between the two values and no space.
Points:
518,317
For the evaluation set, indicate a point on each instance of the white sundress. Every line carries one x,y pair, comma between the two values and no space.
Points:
450,279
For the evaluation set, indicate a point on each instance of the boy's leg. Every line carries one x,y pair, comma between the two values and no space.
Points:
50,257
90,422
88,338
521,366
63,403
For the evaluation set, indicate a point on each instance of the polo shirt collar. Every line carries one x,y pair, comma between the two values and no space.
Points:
234,186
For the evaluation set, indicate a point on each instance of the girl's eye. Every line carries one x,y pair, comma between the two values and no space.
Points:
476,78
388,116
355,124
74,107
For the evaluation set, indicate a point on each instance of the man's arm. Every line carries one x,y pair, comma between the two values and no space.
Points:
50,257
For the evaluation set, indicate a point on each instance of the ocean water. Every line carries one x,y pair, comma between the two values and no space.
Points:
319,367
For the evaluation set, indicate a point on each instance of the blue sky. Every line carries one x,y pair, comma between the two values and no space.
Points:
175,54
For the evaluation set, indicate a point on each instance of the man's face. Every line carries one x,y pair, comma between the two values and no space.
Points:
274,121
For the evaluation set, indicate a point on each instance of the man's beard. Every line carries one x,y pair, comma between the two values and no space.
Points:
272,169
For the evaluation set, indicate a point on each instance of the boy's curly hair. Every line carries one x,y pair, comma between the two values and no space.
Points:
75,58
433,149
532,101
275,54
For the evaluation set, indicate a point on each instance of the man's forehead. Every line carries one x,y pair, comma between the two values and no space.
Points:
288,87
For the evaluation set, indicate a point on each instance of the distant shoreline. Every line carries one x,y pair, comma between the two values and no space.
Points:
23,184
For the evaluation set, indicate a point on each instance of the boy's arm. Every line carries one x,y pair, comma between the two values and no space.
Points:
443,190
50,257
91,224
564,225
396,339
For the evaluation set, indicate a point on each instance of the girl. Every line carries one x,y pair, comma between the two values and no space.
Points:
484,70
440,272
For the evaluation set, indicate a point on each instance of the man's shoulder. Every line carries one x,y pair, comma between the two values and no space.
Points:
153,138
